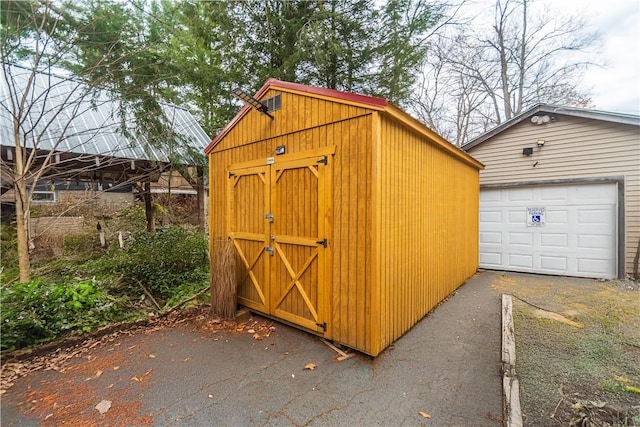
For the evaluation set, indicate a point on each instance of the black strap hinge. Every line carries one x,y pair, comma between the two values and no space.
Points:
324,160
323,242
231,174
322,325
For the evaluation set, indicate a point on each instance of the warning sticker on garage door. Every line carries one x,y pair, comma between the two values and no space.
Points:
536,216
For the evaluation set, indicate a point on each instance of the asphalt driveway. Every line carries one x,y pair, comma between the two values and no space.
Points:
445,371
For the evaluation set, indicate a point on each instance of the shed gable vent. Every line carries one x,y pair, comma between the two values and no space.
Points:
274,103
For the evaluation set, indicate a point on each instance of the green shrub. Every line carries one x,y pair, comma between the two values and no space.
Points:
167,262
81,245
131,219
35,312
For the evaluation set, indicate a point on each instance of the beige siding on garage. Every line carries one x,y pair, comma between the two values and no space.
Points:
575,148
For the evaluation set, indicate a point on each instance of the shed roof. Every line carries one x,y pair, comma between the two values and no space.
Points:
88,120
364,101
621,118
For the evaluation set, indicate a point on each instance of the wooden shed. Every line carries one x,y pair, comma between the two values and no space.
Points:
350,219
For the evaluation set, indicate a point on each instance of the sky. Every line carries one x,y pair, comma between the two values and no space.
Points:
616,85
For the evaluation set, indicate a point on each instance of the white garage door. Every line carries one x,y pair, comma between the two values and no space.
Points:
566,230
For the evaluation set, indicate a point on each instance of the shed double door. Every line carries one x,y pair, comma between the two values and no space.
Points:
278,222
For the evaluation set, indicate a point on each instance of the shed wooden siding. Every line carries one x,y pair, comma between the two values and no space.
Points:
575,148
428,227
352,284
351,217
298,112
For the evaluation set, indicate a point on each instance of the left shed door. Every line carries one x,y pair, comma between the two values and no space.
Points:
249,230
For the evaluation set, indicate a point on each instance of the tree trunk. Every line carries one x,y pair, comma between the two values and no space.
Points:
148,207
22,216
521,64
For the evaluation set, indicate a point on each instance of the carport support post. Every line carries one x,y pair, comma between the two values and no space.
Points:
200,197
148,207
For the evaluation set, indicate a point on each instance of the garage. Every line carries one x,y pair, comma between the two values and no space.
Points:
581,166
568,230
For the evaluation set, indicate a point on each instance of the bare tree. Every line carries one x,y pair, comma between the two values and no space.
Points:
525,56
43,107
452,89
27,29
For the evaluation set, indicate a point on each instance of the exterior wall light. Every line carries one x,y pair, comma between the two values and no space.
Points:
541,142
540,120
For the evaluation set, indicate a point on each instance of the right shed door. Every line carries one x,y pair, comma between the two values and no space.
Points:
556,229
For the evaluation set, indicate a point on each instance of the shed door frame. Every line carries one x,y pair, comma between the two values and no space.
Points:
270,170
620,217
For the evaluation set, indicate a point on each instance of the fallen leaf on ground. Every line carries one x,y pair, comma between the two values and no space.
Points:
251,331
257,337
115,368
103,406
424,414
310,366
632,389
152,356
623,379
98,374
134,378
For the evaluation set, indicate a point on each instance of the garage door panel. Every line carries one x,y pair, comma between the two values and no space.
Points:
520,260
557,216
525,239
589,266
593,241
593,193
520,195
517,216
555,263
554,240
551,194
491,259
491,237
577,238
594,216
491,217
491,196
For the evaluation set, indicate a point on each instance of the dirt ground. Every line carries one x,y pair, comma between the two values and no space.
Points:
577,349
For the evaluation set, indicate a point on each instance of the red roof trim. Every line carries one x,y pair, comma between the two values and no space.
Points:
329,93
279,84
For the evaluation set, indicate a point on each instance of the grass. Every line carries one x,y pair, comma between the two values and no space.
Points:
576,376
